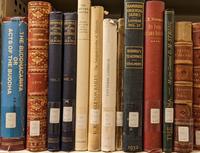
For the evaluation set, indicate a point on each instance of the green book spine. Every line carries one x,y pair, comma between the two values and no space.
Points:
168,81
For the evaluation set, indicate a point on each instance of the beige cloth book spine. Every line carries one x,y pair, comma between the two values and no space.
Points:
119,111
82,90
95,95
109,80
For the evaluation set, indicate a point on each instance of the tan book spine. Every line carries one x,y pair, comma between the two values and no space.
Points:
119,108
82,90
109,80
95,96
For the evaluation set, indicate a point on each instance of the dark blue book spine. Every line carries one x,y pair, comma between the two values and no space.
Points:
13,89
55,80
133,75
69,81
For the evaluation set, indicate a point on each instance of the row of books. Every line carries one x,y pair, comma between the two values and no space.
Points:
91,83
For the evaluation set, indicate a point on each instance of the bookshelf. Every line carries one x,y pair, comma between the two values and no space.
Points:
187,10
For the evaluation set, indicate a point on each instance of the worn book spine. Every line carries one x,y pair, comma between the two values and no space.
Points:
153,75
38,43
82,86
95,85
69,82
183,88
168,81
119,98
54,79
13,90
133,75
109,79
196,84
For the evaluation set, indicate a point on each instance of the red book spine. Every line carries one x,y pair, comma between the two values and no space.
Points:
153,75
38,23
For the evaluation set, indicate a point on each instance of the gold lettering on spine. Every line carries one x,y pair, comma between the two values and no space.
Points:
170,48
70,32
21,61
154,29
134,12
10,51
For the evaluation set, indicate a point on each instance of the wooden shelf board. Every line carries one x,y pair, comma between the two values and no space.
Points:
184,7
25,151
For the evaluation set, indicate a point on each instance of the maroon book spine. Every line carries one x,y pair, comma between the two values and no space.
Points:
38,42
153,75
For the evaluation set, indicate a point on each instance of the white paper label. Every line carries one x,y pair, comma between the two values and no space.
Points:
34,128
107,119
55,115
197,137
10,120
155,116
183,134
169,115
94,116
81,121
67,114
133,119
119,120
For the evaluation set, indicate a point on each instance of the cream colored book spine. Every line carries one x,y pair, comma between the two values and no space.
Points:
82,88
119,107
95,96
109,79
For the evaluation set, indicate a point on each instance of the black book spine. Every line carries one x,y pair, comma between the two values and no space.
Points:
55,80
69,81
133,75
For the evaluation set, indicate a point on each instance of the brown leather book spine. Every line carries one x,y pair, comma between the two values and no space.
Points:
38,19
153,75
183,92
119,108
196,84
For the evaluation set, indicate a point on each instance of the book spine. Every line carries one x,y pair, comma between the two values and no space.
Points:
183,88
196,83
168,81
82,86
109,79
69,81
153,75
38,43
133,68
54,79
95,87
13,90
119,105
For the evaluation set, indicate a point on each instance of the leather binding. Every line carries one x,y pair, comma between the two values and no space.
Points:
38,43
95,85
13,90
109,81
168,81
69,82
55,79
133,75
119,105
196,84
153,75
82,86
183,88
